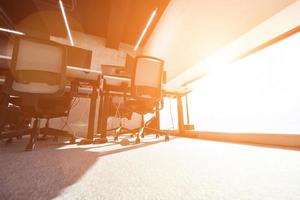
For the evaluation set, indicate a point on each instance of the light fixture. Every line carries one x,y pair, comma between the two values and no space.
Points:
66,21
5,57
11,31
145,29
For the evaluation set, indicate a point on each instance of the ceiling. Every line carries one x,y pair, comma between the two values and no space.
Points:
116,20
191,31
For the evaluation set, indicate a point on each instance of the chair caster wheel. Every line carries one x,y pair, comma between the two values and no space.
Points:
167,138
156,136
73,140
55,139
85,142
116,139
8,141
30,147
100,141
137,141
43,138
125,142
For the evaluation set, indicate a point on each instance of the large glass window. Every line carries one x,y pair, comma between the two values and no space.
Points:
257,94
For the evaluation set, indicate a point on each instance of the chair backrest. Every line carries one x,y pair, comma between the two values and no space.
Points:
38,67
147,79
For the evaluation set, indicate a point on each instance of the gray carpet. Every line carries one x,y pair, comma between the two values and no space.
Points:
179,169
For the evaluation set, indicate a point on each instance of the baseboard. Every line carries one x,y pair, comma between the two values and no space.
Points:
284,140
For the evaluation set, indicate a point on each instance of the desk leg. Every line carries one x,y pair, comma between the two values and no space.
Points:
100,114
102,119
105,115
187,110
4,104
158,120
91,124
180,115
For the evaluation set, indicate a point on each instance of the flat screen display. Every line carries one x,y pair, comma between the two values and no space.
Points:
78,57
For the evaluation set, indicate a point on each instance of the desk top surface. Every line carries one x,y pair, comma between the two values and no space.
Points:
90,74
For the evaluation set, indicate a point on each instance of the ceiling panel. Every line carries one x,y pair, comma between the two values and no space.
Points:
192,30
89,16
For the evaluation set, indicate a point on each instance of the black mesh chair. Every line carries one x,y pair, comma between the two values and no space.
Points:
12,123
146,96
38,78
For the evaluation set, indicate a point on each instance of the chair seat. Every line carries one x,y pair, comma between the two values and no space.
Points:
45,114
141,106
15,100
49,108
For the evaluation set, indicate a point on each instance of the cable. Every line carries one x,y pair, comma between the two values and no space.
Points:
75,104
117,113
72,105
171,113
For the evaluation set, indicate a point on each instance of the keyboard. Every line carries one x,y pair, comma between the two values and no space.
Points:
82,74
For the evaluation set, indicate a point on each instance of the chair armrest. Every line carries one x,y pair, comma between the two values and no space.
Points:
120,71
111,69
158,103
114,70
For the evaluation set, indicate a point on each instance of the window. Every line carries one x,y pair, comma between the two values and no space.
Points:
168,116
257,94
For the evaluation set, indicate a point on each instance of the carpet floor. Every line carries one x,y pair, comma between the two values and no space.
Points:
179,169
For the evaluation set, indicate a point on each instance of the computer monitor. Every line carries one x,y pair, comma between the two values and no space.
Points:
78,57
6,45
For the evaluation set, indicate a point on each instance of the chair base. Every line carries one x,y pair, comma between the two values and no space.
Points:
10,134
12,123
85,142
14,133
36,131
57,133
157,132
141,133
100,141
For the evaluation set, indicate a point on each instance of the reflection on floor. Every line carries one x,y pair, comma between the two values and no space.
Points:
179,169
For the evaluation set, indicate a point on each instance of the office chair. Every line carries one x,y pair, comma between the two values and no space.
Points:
38,78
146,96
4,66
12,124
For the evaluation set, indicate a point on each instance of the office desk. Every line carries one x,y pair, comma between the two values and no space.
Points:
112,84
89,78
120,85
178,93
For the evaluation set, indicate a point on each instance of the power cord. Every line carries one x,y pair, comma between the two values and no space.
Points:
117,113
171,113
73,104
